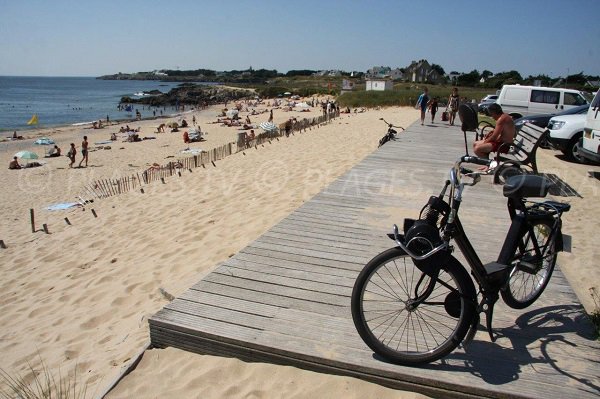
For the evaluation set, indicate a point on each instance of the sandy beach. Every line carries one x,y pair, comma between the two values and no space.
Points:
80,296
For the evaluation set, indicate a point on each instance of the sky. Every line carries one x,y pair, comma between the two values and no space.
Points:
93,38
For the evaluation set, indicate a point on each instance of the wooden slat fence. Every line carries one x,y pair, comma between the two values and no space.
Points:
104,188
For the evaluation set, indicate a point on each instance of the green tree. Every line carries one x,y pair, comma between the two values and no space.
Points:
469,79
438,69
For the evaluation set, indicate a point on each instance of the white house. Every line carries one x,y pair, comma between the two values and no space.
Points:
379,85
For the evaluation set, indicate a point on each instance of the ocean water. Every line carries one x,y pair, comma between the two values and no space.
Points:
68,100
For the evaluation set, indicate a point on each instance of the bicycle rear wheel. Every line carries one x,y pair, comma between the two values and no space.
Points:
533,265
400,330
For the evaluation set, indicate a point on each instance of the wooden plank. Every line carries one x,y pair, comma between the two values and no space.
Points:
285,298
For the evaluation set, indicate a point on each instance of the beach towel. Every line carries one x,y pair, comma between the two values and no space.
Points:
63,206
103,142
193,151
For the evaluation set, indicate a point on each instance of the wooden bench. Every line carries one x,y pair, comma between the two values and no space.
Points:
521,153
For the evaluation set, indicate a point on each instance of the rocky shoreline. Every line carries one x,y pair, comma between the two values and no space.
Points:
192,94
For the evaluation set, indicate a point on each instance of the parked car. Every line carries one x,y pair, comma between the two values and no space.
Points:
589,145
490,97
482,106
542,120
565,132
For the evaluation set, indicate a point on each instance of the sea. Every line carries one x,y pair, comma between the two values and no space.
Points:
59,101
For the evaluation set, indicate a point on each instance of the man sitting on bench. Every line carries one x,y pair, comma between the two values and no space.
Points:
504,132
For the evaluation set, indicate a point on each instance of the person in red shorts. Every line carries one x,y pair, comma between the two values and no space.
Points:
504,132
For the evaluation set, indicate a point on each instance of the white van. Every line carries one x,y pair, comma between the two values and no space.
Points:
589,145
519,101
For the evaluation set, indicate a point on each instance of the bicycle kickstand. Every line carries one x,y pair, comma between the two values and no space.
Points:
489,315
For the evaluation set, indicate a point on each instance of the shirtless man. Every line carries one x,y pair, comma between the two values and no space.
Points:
504,132
84,151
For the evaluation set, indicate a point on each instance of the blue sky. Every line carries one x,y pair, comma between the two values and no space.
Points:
91,38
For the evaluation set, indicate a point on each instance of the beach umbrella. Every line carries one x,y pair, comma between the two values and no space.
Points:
302,105
26,155
268,126
44,141
232,113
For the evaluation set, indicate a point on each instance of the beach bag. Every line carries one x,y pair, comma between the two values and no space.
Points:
444,116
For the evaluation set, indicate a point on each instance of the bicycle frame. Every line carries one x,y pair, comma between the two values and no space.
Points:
491,277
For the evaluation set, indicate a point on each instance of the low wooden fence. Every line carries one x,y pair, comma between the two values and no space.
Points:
104,188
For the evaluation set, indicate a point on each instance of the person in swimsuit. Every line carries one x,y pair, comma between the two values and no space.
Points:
71,155
504,132
84,151
453,102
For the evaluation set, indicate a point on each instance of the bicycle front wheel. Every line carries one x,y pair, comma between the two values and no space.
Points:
403,318
532,266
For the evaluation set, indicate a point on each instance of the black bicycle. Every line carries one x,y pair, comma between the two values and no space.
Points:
416,303
391,133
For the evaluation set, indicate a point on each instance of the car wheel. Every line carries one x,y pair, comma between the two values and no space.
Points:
515,116
572,150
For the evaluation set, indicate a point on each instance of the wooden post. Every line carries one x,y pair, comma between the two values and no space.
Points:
94,213
32,216
162,179
45,227
2,244
68,221
213,162
142,190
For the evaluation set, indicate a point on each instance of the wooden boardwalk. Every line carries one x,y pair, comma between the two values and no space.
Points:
286,297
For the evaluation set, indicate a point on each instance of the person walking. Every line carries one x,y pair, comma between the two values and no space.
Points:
453,102
433,107
84,152
422,103
71,155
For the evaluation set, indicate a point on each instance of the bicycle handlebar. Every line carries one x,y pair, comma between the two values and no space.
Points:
476,160
390,125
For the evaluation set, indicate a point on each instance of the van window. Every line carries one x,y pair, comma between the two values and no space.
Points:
574,99
546,97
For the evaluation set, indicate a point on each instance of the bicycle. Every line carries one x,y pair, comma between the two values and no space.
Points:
391,133
415,303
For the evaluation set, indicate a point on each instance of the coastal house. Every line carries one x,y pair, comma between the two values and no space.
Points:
379,72
397,74
379,84
421,71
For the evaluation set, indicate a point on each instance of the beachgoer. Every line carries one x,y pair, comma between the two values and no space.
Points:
84,151
186,137
71,155
271,116
113,136
433,107
14,164
193,119
248,120
453,102
504,132
422,102
55,152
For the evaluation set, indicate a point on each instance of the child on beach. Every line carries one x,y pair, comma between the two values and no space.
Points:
14,164
71,155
